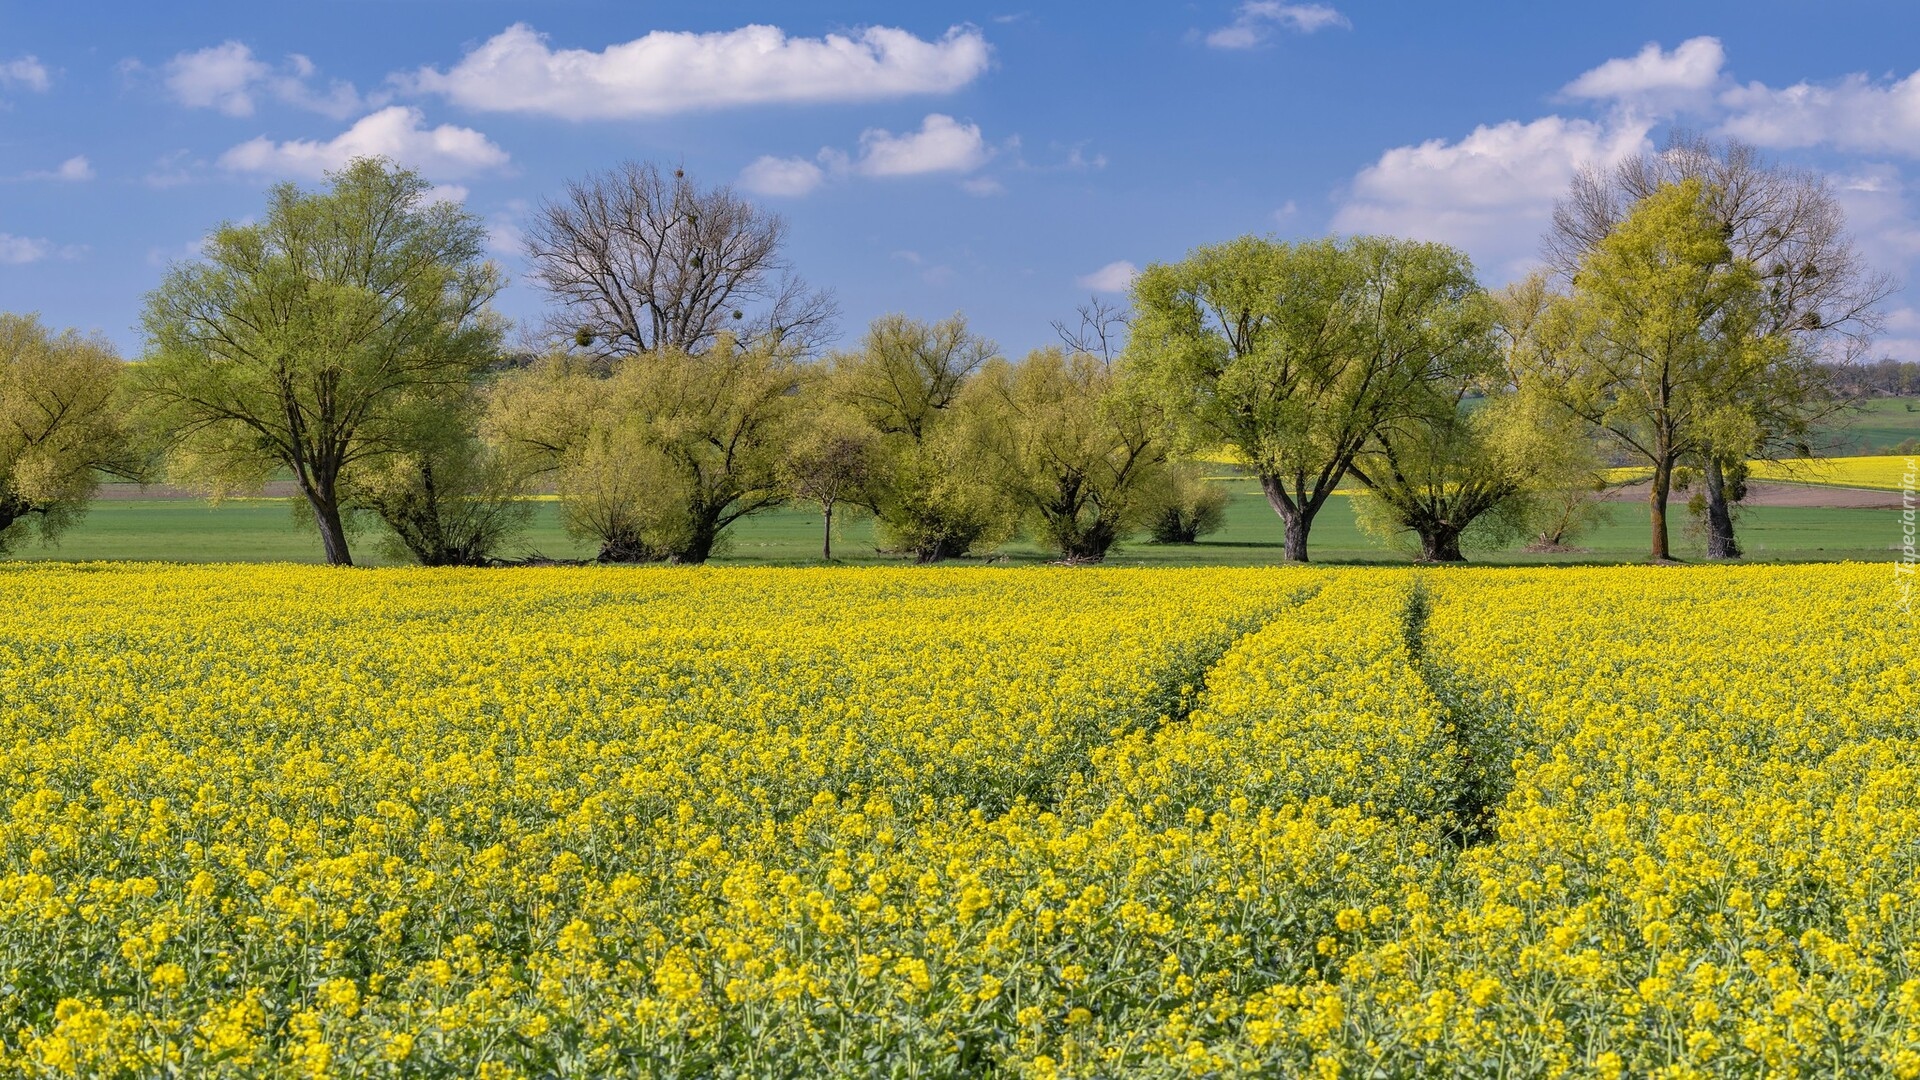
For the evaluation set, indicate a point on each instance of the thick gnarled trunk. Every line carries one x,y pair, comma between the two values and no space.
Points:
333,529
1440,543
1295,518
1720,540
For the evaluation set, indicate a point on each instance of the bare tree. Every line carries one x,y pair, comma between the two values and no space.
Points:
1102,330
1821,296
637,260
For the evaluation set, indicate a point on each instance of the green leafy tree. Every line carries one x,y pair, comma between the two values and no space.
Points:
1072,447
448,499
59,427
305,342
934,495
1663,326
657,459
831,463
1453,470
1186,506
1820,300
1295,354
1566,471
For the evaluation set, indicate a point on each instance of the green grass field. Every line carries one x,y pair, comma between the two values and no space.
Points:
263,530
1877,423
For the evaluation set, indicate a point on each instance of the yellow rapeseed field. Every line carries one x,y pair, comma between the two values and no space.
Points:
1882,472
892,822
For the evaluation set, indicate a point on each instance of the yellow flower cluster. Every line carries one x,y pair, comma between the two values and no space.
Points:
1040,822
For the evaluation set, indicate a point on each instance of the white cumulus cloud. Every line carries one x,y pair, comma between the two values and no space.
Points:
74,169
1854,113
668,72
785,177
1881,214
942,144
25,71
1654,74
1115,277
1256,20
229,78
397,132
1490,193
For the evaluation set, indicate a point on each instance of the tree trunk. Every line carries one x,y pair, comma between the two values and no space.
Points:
1657,506
625,549
1720,541
1294,517
826,539
333,531
12,510
1440,543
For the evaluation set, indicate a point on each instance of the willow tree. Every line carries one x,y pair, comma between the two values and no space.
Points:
658,458
1819,300
1457,469
1294,355
1081,455
59,428
307,341
1663,328
932,491
447,499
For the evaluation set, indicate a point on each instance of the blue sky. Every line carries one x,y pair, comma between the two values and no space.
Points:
1005,160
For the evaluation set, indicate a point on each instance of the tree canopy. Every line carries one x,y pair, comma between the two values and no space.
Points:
1295,354
307,341
637,260
1662,328
59,427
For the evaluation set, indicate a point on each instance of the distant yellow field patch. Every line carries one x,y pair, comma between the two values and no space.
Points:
1881,472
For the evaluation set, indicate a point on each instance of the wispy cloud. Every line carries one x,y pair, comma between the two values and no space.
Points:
73,170
26,71
1256,20
19,250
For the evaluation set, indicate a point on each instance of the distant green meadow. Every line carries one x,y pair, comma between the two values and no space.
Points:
1876,424
264,530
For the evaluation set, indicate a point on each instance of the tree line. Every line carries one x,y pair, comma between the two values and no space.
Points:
1689,317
